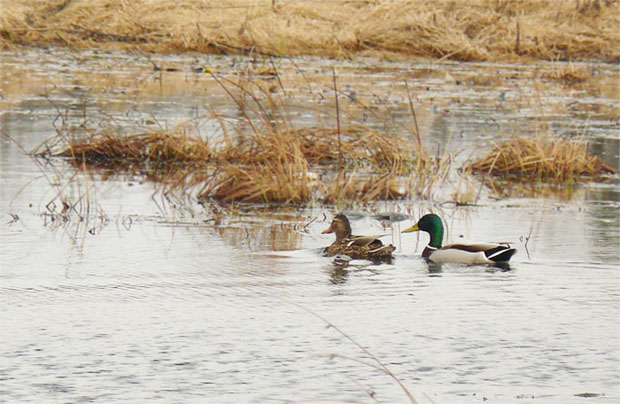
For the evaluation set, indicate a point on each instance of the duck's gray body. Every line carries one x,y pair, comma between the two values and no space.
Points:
470,253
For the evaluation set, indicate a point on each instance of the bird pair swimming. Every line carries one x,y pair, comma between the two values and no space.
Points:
370,247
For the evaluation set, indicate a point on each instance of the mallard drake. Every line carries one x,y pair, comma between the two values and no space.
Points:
356,247
458,253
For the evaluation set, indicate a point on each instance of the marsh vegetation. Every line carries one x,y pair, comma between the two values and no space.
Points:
477,30
263,156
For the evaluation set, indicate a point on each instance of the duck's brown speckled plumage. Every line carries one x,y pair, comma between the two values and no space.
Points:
356,247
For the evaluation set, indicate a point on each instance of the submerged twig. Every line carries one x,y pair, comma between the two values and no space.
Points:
337,125
527,240
380,365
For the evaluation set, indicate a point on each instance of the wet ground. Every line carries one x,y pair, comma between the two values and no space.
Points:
155,299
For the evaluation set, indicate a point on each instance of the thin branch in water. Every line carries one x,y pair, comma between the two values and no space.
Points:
380,365
527,240
415,119
275,69
337,124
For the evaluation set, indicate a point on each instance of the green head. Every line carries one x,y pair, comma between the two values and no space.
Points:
431,224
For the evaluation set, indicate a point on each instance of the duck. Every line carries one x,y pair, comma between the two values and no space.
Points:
479,253
356,247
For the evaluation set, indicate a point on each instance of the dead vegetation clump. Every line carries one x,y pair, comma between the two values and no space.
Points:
378,150
570,74
363,188
147,149
381,151
287,166
542,158
264,183
476,30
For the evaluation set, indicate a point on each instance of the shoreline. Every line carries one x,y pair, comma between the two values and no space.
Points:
475,31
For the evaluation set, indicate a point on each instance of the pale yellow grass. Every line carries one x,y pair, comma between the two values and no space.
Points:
473,30
272,166
542,158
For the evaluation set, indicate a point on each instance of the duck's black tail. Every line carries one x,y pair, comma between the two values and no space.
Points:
501,253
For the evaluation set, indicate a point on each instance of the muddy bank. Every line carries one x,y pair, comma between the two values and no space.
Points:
477,30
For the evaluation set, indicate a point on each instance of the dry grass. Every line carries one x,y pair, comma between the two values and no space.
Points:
467,191
269,182
542,158
156,148
475,30
377,150
268,166
570,74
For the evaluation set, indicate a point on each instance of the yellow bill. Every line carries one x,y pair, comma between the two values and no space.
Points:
412,228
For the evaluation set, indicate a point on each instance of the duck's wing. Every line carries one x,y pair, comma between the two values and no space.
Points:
473,248
363,241
492,252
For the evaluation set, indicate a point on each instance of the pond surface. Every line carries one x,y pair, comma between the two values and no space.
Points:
159,300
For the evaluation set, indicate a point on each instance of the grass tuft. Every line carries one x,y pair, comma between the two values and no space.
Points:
285,166
542,158
154,149
570,74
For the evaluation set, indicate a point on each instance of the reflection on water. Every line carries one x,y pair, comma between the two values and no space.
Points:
169,301
602,219
608,149
272,238
508,188
338,274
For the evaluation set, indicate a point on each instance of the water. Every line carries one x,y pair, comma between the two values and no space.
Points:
151,302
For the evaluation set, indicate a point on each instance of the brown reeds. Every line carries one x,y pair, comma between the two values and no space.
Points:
265,183
267,166
475,30
147,149
570,74
542,158
73,203
379,150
